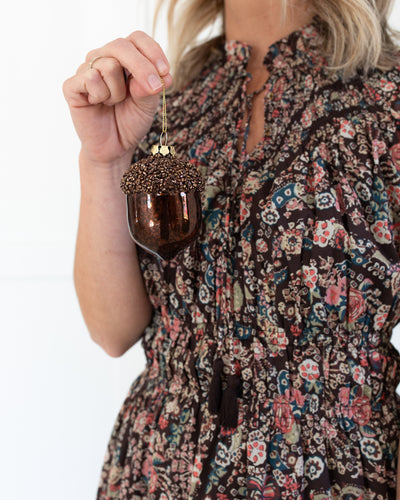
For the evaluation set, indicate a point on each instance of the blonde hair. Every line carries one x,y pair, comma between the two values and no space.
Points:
354,34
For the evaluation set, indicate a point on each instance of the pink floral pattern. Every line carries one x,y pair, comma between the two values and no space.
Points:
294,282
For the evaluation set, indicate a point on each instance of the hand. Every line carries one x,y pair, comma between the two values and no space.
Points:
113,104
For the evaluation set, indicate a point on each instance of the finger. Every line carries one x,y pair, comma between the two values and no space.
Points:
96,88
113,76
144,72
151,50
86,88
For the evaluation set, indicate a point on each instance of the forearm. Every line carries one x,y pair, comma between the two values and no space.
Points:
107,276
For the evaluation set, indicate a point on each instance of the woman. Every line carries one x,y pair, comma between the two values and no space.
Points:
270,372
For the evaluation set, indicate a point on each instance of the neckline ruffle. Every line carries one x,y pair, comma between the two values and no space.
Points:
301,48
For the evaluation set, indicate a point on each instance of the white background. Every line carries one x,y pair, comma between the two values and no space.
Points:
59,392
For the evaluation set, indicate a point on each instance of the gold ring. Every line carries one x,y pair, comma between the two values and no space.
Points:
93,61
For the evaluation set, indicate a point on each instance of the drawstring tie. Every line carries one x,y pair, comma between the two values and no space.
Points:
215,392
226,404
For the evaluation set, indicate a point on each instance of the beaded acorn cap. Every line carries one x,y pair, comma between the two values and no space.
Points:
160,173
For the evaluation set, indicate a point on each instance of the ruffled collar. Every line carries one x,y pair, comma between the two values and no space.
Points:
301,48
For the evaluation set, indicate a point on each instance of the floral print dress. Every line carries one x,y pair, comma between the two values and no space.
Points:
293,285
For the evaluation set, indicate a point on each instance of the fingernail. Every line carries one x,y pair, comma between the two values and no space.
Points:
162,66
154,82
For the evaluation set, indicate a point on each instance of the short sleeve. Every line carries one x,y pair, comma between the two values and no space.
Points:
369,158
391,172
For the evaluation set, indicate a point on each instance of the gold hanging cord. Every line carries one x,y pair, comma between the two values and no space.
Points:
163,147
164,130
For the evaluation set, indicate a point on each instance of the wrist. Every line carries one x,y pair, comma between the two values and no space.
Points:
112,171
121,163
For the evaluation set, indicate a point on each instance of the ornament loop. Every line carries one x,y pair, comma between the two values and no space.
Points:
164,135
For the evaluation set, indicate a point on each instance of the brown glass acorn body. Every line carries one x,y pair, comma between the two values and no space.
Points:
163,202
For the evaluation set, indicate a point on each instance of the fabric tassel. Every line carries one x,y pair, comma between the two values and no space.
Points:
124,445
230,404
214,397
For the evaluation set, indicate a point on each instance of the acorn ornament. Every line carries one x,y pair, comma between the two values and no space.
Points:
163,198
